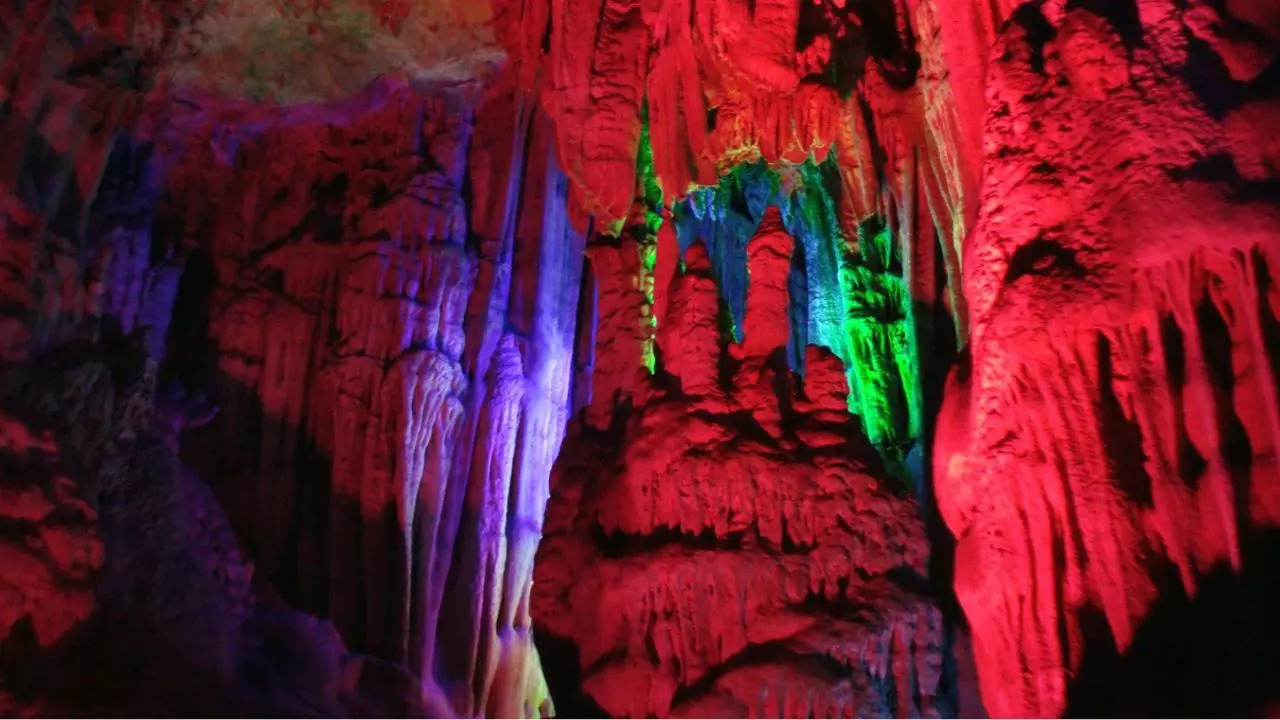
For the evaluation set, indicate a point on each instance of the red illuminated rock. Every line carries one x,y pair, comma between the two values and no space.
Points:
709,562
52,548
615,265
767,326
694,551
1121,411
1094,242
688,333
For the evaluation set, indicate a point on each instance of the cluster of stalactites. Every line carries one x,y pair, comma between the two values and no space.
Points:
696,90
844,293
859,137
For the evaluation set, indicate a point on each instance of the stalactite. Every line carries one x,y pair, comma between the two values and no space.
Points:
482,543
622,328
854,298
381,313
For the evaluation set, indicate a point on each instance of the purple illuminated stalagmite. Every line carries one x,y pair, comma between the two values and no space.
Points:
549,265
480,575
530,269
136,291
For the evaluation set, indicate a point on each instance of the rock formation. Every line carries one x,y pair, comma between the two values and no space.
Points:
733,549
54,545
1119,416
326,276
403,388
1102,185
865,325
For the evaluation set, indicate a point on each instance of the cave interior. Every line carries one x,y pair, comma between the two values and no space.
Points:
640,358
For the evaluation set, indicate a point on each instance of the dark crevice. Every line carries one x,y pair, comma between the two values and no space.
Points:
1173,347
1208,77
768,653
848,48
191,358
893,49
546,36
617,544
1221,168
15,532
1038,31
1043,257
1213,655
329,197
1121,436
1191,464
563,667
1122,14
42,176
1091,685
906,577
1237,451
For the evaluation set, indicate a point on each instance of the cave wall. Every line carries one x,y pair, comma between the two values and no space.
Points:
126,588
383,322
372,302
1111,444
394,365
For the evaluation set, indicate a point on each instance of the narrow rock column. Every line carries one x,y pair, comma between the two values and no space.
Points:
767,325
688,334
